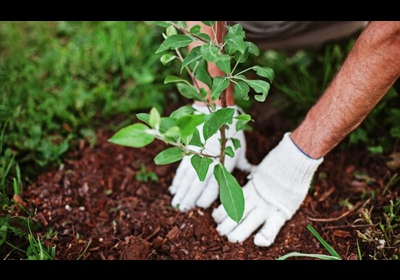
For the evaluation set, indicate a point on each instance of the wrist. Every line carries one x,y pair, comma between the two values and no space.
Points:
284,176
290,162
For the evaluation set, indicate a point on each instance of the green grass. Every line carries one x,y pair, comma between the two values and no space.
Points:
60,81
333,255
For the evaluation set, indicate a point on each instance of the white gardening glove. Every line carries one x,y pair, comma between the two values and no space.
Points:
273,194
186,187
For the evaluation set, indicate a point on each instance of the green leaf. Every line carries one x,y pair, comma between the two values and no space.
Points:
377,150
259,86
249,48
243,117
235,30
162,23
134,135
155,118
234,39
175,79
242,90
265,72
236,143
230,193
171,30
229,152
189,91
183,24
174,42
166,58
182,111
166,123
252,48
168,156
192,57
201,165
188,123
196,140
203,93
242,121
210,52
173,132
202,74
204,37
234,43
224,63
219,85
195,29
216,120
208,23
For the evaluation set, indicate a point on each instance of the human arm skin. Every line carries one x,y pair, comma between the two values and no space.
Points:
281,181
371,68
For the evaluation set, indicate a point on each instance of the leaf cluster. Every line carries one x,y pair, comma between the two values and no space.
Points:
181,130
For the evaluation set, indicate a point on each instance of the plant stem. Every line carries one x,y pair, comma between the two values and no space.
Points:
222,25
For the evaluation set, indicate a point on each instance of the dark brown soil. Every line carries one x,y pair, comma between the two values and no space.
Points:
101,211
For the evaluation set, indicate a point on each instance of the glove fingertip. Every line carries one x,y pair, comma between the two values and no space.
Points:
202,203
172,189
260,240
219,214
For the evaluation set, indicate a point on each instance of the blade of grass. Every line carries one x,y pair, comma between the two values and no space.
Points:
318,256
334,255
323,242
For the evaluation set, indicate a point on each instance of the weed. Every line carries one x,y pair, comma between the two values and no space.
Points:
144,175
383,235
36,250
333,254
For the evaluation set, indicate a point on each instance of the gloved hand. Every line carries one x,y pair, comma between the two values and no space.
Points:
186,187
273,194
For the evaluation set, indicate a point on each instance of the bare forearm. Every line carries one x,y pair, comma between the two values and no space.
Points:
371,68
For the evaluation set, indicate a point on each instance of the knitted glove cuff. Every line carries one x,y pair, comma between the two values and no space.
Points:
284,176
292,163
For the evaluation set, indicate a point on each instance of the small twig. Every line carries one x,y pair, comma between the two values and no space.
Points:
347,226
344,215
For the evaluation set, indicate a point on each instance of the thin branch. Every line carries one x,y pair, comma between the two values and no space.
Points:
344,215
